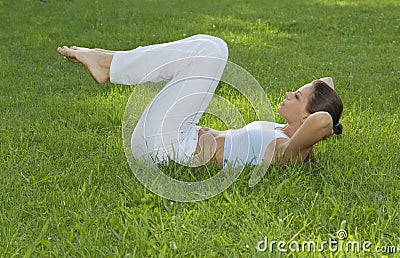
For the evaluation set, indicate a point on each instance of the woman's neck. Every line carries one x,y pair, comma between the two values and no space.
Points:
290,128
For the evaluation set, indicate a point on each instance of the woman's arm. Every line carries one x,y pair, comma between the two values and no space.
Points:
315,128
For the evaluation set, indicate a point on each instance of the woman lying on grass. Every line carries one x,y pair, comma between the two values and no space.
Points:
192,68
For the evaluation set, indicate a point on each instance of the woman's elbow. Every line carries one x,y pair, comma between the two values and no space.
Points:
323,121
322,117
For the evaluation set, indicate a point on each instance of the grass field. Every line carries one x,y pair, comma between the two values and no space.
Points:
66,187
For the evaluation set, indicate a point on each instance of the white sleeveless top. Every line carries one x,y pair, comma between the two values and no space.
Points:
247,146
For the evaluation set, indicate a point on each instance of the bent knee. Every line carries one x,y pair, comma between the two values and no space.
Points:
212,46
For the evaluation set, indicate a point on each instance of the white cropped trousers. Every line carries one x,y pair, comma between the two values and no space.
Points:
192,67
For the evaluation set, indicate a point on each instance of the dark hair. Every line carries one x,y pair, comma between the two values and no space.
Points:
324,98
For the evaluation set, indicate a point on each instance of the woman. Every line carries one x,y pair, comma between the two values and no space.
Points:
192,68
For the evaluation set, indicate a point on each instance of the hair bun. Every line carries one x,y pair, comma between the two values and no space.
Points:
338,128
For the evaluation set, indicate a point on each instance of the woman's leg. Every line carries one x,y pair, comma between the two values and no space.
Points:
192,67
163,62
98,61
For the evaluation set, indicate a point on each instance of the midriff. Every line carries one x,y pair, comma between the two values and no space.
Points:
210,147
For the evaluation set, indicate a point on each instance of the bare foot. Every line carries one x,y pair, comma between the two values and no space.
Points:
97,62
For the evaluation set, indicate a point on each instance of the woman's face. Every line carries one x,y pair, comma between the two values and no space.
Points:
293,107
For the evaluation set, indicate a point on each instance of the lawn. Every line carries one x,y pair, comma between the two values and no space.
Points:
67,188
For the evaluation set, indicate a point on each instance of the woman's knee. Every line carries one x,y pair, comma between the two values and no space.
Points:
222,47
212,46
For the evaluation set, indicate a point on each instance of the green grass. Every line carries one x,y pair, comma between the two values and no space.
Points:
66,187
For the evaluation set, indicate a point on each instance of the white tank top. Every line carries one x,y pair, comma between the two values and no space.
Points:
247,146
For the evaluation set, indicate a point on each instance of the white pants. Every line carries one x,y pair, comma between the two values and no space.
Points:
193,68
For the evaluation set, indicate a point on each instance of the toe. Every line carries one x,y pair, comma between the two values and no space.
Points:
64,51
60,51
